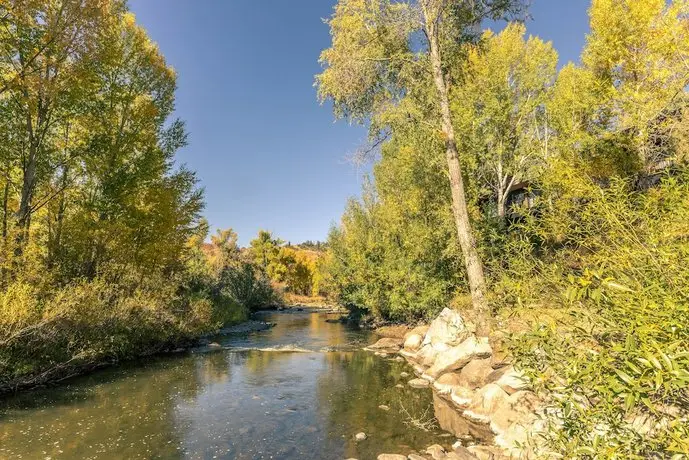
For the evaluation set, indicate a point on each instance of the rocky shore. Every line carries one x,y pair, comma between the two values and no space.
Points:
476,392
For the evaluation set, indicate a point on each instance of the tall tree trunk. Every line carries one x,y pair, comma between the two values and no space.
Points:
28,183
501,207
472,261
5,198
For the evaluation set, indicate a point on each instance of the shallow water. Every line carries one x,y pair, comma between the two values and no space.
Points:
252,399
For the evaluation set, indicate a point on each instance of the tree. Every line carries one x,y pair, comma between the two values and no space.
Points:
47,50
501,109
264,248
383,51
639,52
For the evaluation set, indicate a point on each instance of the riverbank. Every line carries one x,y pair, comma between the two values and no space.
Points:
82,365
477,392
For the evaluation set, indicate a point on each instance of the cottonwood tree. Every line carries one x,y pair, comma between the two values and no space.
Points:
501,109
381,51
45,50
639,52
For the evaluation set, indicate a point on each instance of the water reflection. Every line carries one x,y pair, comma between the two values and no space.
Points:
229,404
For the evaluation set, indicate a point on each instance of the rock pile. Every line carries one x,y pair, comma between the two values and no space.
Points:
484,389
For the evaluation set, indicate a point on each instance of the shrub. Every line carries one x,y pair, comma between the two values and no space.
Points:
615,354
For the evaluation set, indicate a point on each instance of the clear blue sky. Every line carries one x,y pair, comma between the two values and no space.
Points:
269,156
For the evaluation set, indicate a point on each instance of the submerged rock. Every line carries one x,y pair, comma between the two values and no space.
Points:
387,343
246,327
360,436
419,383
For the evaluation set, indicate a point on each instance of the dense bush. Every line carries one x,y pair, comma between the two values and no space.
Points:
615,353
51,335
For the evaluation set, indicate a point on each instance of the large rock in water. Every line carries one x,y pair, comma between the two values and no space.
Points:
418,330
486,402
446,383
448,328
452,420
428,353
387,343
459,356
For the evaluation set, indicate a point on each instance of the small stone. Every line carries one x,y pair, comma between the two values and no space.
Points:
399,385
392,457
404,375
436,451
399,359
419,383
415,457
360,436
214,345
384,407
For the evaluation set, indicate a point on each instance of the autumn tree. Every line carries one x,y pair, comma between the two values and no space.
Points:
382,51
264,248
639,52
47,51
501,109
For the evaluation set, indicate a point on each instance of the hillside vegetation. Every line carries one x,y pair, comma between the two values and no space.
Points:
101,246
577,191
